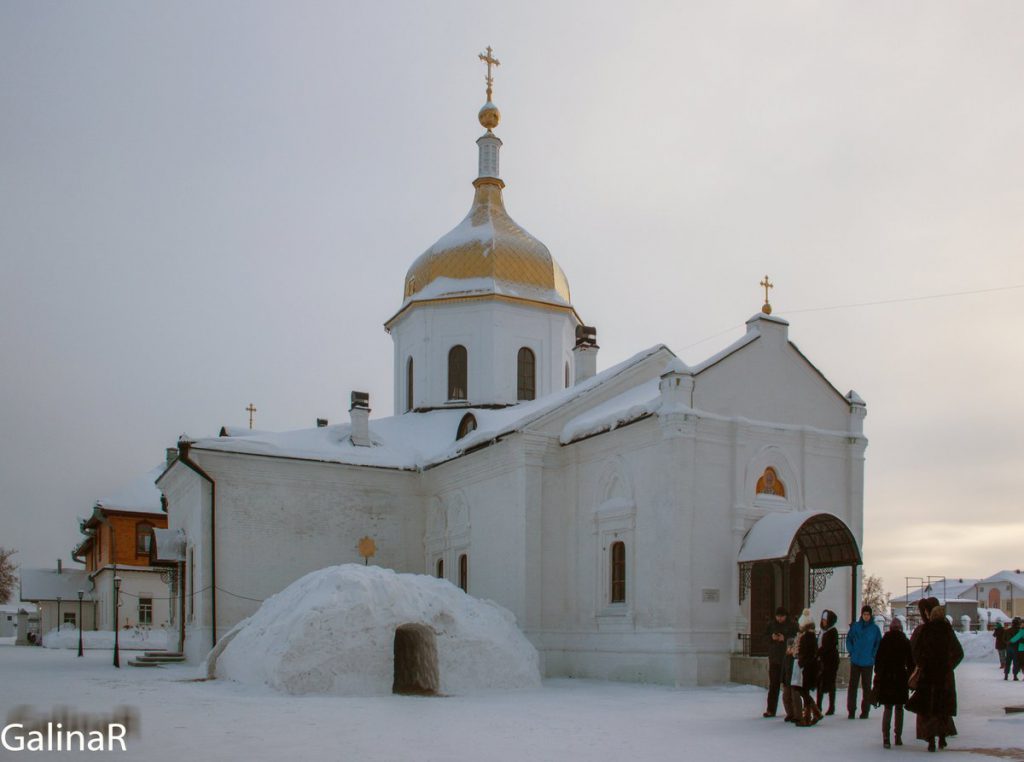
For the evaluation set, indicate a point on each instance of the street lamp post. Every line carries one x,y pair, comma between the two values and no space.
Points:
117,611
81,594
58,613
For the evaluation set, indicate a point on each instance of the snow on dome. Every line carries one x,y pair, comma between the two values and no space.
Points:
334,631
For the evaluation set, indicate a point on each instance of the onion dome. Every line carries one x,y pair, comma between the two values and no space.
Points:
487,253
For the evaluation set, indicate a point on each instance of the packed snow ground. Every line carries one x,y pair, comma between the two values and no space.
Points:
563,720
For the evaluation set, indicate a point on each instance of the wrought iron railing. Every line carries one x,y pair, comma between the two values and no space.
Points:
745,639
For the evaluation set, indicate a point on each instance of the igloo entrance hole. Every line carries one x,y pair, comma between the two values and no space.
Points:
415,661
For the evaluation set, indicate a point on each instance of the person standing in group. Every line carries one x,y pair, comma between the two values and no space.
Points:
807,659
778,632
790,688
937,652
828,659
1014,648
893,665
861,644
1000,635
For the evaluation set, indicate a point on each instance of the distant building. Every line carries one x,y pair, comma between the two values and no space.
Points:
118,542
981,599
1003,590
55,592
9,620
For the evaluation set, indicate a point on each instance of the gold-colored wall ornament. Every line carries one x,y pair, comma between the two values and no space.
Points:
766,284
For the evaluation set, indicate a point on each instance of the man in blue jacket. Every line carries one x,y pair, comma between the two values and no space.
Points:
861,644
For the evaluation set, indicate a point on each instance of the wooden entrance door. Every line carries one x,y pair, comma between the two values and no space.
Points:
762,606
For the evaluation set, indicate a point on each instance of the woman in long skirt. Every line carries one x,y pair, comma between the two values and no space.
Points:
937,652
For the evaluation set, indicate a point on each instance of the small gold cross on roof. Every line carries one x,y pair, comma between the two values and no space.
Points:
490,60
251,409
766,284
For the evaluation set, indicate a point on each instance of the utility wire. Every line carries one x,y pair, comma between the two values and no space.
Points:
899,300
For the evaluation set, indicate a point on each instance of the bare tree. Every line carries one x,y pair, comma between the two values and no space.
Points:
7,577
874,595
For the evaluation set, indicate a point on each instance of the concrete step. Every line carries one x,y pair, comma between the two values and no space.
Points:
137,663
164,653
159,659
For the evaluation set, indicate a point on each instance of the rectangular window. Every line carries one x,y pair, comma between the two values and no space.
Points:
69,618
143,537
145,611
618,572
191,584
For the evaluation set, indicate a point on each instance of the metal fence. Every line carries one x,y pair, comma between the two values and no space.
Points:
745,645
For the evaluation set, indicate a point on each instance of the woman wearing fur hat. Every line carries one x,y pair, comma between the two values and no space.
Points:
893,665
807,658
828,658
937,652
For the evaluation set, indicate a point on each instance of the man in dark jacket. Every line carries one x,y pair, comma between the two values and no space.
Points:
861,644
777,632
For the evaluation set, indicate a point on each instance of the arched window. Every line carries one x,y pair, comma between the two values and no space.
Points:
466,425
143,537
457,371
464,572
618,572
566,375
440,568
993,598
527,374
408,385
770,484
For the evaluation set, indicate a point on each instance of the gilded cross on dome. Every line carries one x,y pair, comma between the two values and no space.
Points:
490,60
766,284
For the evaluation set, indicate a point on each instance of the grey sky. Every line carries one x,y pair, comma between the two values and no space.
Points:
204,205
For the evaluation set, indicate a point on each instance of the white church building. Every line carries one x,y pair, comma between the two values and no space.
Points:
641,522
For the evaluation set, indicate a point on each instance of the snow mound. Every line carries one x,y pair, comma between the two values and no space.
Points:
334,631
978,646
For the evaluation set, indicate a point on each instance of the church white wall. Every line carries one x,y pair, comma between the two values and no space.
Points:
279,519
769,380
188,509
489,486
493,332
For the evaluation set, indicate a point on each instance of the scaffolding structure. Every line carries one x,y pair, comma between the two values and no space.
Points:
932,585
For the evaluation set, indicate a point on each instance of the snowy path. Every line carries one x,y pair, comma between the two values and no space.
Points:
565,720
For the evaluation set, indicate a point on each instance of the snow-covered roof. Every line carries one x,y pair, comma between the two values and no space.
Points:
632,405
415,441
169,545
140,495
952,588
1013,576
828,541
48,585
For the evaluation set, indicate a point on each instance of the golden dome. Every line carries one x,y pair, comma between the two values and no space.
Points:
487,253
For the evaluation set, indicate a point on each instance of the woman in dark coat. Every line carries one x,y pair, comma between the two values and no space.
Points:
807,658
828,660
893,665
937,652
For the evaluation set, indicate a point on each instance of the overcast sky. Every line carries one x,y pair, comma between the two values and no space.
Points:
204,205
